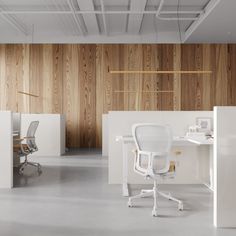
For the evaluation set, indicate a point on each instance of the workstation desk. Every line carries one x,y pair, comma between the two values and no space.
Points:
177,142
211,162
50,139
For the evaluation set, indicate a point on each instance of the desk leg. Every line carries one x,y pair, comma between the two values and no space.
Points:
125,189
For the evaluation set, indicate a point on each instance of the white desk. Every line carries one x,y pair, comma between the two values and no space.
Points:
177,141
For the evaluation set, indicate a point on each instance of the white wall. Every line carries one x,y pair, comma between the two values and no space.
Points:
120,123
225,167
50,135
6,150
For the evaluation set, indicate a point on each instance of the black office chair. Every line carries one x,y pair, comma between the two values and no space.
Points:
26,146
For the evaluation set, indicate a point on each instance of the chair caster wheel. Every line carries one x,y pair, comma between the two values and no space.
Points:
154,213
181,207
129,204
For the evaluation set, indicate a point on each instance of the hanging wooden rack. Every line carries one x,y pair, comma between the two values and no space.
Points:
29,94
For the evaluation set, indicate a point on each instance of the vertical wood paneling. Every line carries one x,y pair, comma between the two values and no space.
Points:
71,94
99,93
36,78
221,74
3,91
207,79
231,96
147,80
166,80
191,85
57,85
24,101
47,78
74,80
133,82
87,90
107,78
177,77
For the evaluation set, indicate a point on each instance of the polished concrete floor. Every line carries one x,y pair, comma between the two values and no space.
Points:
72,197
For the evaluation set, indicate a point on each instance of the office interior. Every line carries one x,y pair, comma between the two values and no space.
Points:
117,117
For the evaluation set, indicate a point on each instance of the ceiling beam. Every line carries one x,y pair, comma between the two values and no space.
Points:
77,21
135,20
206,12
90,20
104,17
148,12
13,22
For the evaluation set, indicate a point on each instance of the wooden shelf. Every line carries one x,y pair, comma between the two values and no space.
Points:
129,91
159,72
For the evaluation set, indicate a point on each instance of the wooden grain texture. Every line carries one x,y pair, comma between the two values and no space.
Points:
71,94
87,91
207,78
221,75
177,77
231,97
73,79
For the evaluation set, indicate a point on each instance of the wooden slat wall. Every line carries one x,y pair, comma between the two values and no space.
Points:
74,80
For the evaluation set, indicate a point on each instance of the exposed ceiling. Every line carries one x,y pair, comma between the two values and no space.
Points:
117,21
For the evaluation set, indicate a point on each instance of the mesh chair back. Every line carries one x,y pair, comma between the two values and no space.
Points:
156,139
31,134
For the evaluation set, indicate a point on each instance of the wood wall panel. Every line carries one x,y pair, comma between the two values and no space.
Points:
74,79
87,99
231,75
71,94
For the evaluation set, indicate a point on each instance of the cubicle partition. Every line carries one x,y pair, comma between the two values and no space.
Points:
50,135
50,139
6,149
188,162
225,167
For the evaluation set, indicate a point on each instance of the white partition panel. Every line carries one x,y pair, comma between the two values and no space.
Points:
225,167
6,150
105,134
120,123
50,135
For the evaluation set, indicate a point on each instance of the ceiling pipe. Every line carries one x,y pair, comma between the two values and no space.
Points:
77,22
207,10
104,17
159,12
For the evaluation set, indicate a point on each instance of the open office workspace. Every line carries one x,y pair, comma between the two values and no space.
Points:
117,117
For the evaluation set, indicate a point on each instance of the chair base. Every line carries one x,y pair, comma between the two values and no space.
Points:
155,193
26,163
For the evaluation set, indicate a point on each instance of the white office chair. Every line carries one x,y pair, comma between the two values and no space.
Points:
27,146
153,143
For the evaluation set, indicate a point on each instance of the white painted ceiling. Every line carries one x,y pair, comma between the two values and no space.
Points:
117,21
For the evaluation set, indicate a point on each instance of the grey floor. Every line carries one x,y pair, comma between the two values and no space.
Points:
72,197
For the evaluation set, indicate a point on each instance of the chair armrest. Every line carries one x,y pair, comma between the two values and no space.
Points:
29,137
18,139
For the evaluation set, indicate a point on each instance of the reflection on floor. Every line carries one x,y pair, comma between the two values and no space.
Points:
72,197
